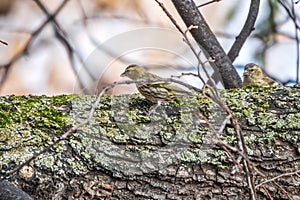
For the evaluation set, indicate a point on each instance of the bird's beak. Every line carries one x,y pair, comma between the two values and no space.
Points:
246,73
123,74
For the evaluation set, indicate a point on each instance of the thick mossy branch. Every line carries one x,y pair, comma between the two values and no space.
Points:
123,144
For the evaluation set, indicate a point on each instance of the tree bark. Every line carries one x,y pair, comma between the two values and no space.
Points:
123,153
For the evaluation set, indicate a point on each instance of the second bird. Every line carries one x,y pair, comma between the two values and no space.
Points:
253,75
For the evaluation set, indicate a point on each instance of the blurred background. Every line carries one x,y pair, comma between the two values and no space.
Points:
90,42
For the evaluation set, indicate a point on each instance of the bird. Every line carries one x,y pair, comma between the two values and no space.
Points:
253,75
155,91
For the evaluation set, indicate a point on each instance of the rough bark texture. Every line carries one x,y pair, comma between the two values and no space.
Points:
126,154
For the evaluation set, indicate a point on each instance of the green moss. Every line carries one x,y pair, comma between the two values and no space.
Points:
29,123
38,112
123,136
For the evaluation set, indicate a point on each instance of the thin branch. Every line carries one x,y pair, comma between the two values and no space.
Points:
224,123
297,50
200,63
297,43
284,191
292,14
246,30
187,41
242,148
221,143
277,177
289,12
268,193
3,42
207,3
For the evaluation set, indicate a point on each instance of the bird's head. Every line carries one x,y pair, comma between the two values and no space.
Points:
133,72
252,71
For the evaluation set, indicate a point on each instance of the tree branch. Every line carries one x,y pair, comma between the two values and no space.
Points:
246,30
3,42
111,143
207,40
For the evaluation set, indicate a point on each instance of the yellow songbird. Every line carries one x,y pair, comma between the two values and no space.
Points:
155,91
253,75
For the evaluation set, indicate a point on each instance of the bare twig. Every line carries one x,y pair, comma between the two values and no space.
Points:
200,62
277,177
268,194
297,42
209,2
292,14
243,148
187,41
224,123
185,74
3,42
220,143
284,191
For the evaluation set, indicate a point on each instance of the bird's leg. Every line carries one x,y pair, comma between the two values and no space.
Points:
153,109
204,90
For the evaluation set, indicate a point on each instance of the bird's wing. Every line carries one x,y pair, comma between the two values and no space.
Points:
268,81
174,88
169,87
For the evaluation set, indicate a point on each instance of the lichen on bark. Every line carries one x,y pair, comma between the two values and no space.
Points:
124,144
